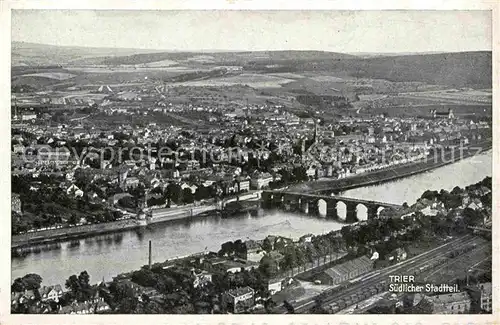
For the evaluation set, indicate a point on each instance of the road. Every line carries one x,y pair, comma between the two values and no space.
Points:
407,267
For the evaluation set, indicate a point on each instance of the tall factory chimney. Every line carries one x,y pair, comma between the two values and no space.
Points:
149,260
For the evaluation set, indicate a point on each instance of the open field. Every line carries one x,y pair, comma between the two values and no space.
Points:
252,80
424,110
51,75
455,96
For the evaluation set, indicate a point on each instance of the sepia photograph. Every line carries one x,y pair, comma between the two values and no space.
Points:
251,162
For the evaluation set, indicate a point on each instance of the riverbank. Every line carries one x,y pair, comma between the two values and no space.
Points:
397,172
63,234
77,232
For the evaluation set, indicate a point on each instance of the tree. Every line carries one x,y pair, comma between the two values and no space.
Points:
127,202
32,281
79,286
268,266
18,285
267,245
201,193
227,248
187,196
73,219
456,190
174,193
430,195
240,249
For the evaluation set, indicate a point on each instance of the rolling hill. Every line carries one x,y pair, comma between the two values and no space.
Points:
464,69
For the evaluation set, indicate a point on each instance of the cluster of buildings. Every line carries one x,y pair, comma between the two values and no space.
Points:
474,299
46,295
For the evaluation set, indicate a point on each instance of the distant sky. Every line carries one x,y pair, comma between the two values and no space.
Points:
337,31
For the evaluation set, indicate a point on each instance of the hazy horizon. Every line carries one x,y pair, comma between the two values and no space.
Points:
233,31
228,50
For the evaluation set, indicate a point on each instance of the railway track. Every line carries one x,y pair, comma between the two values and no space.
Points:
357,291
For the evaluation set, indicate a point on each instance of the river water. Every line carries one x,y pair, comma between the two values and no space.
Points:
106,256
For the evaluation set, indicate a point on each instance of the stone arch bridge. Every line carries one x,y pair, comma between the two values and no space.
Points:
309,203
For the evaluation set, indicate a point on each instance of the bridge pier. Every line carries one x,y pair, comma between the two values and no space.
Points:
331,209
313,208
304,206
266,201
351,213
372,211
278,201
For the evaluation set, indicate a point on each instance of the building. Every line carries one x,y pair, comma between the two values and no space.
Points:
18,149
436,114
131,182
254,251
102,306
486,296
192,165
451,303
74,190
397,255
16,203
274,286
238,300
259,181
200,278
58,156
51,293
243,185
346,271
28,117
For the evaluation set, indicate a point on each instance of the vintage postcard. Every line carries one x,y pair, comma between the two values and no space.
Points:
294,165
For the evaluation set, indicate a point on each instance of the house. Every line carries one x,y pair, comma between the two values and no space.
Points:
475,204
238,300
200,278
486,296
74,190
260,180
28,117
51,293
192,188
384,306
254,251
18,149
29,294
17,298
16,203
66,310
397,255
58,156
83,308
451,303
192,165
102,306
243,185
306,238
274,286
131,182
311,172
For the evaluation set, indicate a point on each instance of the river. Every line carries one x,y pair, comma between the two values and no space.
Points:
106,256
409,189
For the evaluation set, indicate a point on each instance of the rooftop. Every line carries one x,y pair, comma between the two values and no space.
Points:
240,291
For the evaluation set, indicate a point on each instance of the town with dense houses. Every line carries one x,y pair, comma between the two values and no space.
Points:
258,275
248,181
